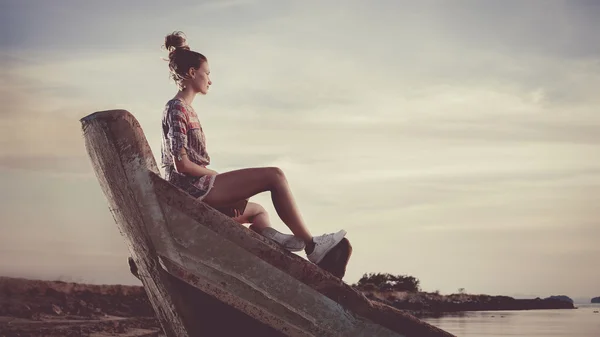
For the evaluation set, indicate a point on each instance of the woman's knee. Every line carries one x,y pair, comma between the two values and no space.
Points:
275,175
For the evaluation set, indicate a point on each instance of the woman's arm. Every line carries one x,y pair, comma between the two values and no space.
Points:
177,129
184,165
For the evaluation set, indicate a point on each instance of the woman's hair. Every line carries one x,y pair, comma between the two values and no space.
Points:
181,58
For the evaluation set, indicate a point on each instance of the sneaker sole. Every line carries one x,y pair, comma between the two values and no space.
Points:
294,245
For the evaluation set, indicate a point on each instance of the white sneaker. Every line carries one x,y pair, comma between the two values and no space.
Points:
323,244
289,242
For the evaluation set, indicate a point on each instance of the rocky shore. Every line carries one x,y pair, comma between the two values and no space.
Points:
54,308
35,308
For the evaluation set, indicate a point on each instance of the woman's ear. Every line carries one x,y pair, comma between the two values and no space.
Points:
192,72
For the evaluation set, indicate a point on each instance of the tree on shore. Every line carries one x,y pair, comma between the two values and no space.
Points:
388,282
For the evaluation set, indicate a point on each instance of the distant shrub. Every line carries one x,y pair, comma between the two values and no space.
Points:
388,282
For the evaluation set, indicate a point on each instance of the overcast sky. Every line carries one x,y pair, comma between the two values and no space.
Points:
457,142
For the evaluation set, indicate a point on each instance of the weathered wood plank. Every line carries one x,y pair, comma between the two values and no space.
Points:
114,147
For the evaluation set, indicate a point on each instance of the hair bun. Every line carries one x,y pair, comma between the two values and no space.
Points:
176,40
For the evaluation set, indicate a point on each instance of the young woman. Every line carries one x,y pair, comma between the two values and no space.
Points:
185,160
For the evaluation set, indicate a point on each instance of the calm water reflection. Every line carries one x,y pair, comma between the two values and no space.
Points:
582,322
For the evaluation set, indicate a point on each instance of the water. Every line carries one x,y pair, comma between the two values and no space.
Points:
581,322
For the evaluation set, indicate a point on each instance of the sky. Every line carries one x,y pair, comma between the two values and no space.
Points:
456,142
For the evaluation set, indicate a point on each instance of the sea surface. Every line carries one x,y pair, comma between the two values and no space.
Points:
581,322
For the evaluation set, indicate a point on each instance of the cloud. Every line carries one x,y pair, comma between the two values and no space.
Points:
462,128
47,163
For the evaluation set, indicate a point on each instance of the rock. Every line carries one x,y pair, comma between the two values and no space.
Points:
57,310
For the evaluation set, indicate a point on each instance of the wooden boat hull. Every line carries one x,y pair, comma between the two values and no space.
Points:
205,274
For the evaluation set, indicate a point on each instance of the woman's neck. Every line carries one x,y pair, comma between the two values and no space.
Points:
187,95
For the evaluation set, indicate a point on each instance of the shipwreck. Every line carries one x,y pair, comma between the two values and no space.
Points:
207,275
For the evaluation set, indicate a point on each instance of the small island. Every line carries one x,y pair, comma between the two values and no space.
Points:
596,299
404,293
561,298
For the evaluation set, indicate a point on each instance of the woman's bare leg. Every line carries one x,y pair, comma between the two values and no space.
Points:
259,219
245,183
256,215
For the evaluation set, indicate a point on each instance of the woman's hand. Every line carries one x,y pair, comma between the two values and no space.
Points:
184,165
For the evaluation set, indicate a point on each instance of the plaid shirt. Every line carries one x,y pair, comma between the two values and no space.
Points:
181,129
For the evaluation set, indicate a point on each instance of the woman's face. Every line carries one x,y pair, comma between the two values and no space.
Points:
200,80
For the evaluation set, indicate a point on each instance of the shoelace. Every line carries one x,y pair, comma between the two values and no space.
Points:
325,239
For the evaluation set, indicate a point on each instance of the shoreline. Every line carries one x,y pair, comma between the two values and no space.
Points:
428,305
58,308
